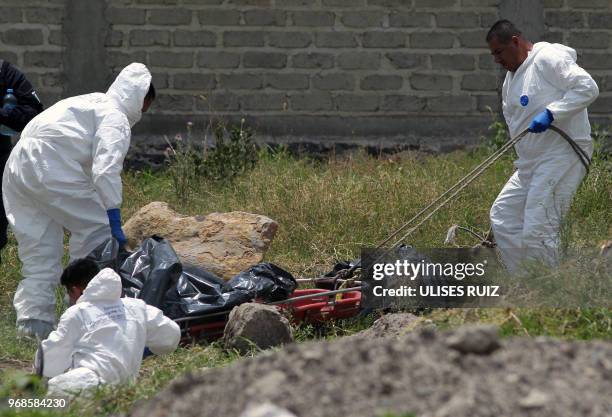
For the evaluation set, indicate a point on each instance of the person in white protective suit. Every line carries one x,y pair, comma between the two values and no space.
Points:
101,338
65,173
543,85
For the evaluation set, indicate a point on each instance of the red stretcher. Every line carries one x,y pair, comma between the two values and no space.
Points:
311,306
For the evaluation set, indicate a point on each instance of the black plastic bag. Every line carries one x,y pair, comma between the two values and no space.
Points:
150,271
266,281
199,292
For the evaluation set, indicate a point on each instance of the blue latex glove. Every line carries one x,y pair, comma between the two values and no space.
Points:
114,219
541,122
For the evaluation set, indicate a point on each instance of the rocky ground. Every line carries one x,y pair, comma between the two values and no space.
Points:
465,372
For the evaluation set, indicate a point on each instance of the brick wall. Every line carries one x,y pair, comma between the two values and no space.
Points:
335,70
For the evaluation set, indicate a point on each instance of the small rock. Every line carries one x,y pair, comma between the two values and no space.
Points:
266,409
254,324
480,339
535,399
394,325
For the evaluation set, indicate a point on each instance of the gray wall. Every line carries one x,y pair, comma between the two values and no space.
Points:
416,72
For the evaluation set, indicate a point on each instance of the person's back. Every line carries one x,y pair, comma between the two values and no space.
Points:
103,333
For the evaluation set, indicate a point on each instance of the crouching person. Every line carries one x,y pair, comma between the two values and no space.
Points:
100,339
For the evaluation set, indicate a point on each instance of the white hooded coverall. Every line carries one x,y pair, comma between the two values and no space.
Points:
65,173
526,216
101,339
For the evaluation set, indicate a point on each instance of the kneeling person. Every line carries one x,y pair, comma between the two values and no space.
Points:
100,339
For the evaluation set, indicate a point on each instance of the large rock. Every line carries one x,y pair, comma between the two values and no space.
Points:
223,243
256,325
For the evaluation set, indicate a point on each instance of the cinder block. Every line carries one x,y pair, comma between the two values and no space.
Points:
453,62
160,80
244,38
553,36
589,4
432,40
480,3
287,81
410,19
403,103
334,81
50,79
457,20
259,17
212,17
407,60
113,38
564,19
218,59
259,3
312,60
56,37
357,103
149,37
171,59
46,15
9,56
602,105
289,39
365,19
595,61
487,103
359,60
335,40
10,14
488,19
174,102
344,3
450,104
194,38
218,102
479,82
384,40
22,37
431,82
313,18
264,102
125,16
47,59
121,59
473,38
311,102
600,20
253,59
435,4
170,17
241,81
195,81
390,3
590,40
296,3
486,61
553,4
382,82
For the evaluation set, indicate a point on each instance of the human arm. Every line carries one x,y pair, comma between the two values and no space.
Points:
579,88
59,346
28,104
163,334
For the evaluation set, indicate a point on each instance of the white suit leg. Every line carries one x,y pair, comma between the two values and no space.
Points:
507,220
554,184
73,383
40,249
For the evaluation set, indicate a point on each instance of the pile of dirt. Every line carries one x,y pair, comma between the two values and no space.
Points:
466,372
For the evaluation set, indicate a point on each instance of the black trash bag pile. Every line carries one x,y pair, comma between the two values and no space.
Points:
154,273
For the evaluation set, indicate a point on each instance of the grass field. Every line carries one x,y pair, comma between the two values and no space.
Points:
328,210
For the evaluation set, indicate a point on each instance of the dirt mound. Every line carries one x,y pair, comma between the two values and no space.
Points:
425,373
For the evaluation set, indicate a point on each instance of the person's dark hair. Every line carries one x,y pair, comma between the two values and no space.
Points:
503,30
151,93
79,273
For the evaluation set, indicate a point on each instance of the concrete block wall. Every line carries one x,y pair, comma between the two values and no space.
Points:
416,72
32,39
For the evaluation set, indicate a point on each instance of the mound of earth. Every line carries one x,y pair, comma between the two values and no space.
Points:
466,372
